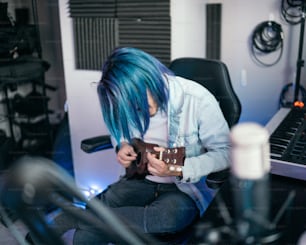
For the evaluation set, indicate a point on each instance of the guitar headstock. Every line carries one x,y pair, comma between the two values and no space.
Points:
175,156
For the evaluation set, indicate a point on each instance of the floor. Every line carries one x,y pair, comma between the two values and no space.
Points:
7,237
16,234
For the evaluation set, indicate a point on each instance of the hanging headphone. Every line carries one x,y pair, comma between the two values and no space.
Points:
267,37
284,102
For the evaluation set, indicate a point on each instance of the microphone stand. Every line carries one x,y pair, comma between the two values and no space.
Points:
35,182
300,61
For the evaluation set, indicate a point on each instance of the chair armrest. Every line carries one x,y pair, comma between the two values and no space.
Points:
97,143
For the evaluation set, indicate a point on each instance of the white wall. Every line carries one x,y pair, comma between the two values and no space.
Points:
188,28
91,170
260,96
259,93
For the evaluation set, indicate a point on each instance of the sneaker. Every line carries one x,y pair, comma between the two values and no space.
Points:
29,239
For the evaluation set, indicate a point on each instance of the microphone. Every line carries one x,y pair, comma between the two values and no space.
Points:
35,182
26,190
31,181
250,180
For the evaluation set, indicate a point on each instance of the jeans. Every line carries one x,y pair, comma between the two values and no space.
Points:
147,206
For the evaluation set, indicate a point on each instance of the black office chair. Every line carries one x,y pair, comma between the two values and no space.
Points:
214,76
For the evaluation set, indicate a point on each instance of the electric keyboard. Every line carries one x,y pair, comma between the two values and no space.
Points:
287,131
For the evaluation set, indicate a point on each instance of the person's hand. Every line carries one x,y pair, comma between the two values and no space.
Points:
158,167
155,165
126,155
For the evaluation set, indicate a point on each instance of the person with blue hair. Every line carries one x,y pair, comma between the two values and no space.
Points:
141,98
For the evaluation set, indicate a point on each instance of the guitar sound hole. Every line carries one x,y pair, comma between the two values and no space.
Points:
138,159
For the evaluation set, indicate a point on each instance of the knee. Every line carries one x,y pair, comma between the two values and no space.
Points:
109,199
175,221
167,220
170,213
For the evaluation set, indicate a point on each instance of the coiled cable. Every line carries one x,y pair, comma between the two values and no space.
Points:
292,11
285,100
267,38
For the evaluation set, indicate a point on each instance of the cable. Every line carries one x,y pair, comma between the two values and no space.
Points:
284,101
292,11
267,37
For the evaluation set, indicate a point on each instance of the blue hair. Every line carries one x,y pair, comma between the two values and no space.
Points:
127,74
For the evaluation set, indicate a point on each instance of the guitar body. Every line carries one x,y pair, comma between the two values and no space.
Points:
136,171
139,168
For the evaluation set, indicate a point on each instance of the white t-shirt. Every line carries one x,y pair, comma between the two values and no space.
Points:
157,133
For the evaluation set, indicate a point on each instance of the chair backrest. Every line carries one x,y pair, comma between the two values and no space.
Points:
214,76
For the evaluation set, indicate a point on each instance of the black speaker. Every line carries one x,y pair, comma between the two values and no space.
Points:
213,31
22,16
6,148
4,19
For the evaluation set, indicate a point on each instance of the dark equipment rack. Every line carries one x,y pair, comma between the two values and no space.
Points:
32,109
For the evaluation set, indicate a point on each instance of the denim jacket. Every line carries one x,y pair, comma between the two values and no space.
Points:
195,121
